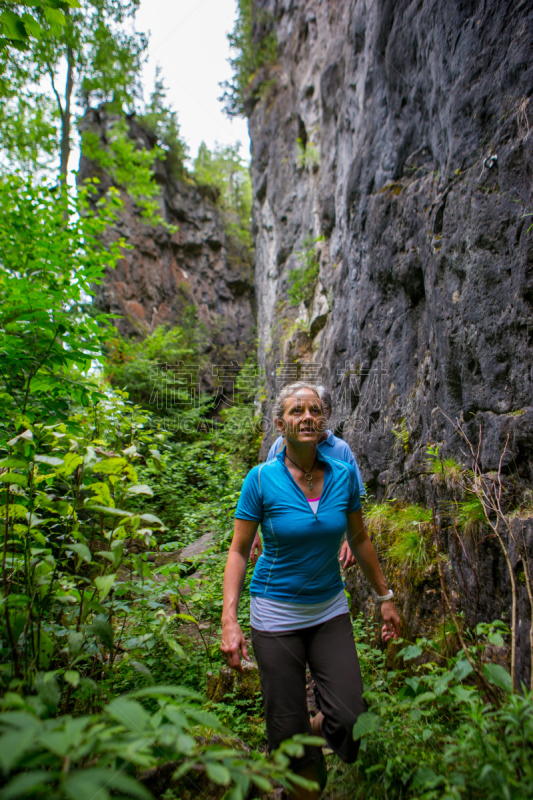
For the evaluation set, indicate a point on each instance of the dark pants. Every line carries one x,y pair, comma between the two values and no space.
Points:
329,649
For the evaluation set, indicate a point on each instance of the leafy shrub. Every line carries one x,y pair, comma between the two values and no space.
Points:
402,532
163,122
430,733
93,755
224,169
255,45
51,255
149,368
129,166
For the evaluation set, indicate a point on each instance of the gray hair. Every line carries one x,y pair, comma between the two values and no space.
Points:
287,391
326,398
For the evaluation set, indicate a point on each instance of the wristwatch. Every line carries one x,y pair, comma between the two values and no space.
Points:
387,596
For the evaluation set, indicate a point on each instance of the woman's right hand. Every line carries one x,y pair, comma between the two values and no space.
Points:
232,644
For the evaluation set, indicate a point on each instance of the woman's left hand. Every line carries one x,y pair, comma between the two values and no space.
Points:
391,628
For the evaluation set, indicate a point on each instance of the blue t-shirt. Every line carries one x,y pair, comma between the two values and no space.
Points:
332,447
299,563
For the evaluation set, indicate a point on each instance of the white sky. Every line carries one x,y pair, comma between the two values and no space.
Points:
188,40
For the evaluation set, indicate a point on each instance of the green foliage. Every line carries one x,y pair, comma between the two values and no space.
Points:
94,755
67,513
402,436
191,485
225,169
163,122
146,367
430,733
255,45
107,56
130,167
28,125
303,279
308,154
445,470
525,508
51,255
26,22
402,532
470,514
88,45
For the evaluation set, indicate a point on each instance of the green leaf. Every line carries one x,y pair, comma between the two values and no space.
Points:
307,738
24,784
87,784
426,778
46,649
104,584
413,651
129,786
82,551
72,676
32,26
75,642
156,691
174,646
110,466
13,463
153,520
114,512
107,554
14,477
12,26
425,697
217,773
234,793
14,510
204,718
13,745
27,435
498,676
367,723
103,630
462,670
48,690
143,669
55,18
187,617
52,461
262,783
129,713
140,488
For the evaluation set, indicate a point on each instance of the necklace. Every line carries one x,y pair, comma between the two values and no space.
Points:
308,475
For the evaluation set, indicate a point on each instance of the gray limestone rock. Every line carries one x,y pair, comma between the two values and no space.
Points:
398,137
164,273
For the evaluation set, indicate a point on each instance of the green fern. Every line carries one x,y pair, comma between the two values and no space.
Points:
471,515
402,436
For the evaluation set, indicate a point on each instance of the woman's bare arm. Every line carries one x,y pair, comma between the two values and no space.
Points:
366,557
233,641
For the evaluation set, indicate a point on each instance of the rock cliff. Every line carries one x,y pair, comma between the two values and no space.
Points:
392,148
164,273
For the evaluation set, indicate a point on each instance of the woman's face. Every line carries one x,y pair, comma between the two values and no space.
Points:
303,419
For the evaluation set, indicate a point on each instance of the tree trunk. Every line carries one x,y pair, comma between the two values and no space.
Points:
65,116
